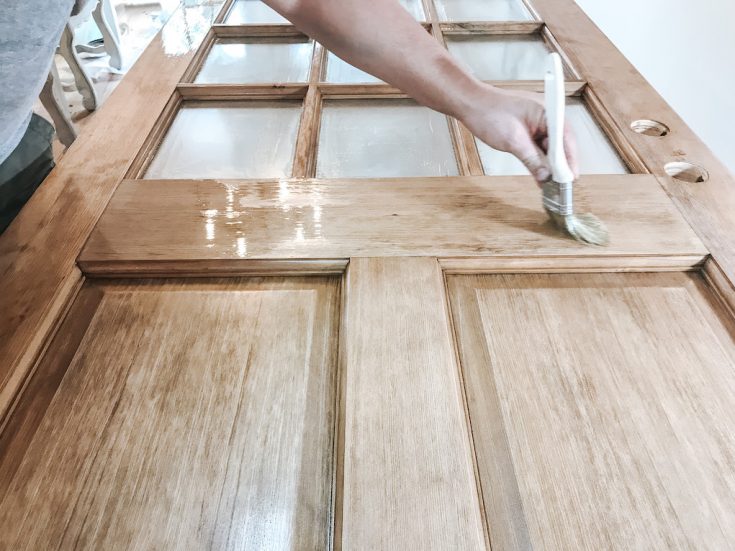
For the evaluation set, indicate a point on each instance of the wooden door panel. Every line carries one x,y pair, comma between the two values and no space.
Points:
407,476
218,223
602,408
192,415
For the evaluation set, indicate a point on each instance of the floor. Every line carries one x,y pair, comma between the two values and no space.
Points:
138,23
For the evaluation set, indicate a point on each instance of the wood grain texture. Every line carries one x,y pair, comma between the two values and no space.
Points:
462,216
491,28
708,206
215,92
222,30
227,268
565,265
28,412
306,142
615,395
38,250
719,284
255,31
194,414
408,476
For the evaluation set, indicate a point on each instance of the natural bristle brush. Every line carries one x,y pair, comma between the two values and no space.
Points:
558,193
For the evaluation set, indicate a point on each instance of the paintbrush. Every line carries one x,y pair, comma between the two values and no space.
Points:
558,192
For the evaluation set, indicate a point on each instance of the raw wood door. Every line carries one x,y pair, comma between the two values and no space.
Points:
267,302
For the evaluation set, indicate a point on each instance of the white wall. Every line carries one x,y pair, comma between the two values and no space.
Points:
686,50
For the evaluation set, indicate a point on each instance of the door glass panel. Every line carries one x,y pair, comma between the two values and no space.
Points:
383,138
253,139
253,12
595,152
414,8
235,61
502,57
482,10
341,72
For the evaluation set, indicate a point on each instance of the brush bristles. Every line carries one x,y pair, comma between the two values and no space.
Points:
586,228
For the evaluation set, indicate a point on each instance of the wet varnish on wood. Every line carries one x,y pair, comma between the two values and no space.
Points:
425,363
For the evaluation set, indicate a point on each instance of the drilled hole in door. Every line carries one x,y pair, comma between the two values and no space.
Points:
686,172
650,128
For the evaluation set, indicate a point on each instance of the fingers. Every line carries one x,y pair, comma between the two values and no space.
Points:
570,148
533,157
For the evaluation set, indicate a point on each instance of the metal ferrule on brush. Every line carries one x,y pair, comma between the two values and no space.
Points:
558,197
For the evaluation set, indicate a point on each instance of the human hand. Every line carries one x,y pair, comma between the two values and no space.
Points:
515,122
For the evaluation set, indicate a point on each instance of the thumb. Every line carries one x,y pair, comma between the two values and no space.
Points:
533,157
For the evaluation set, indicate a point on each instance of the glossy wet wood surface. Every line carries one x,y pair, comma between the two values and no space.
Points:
588,411
602,408
160,221
192,415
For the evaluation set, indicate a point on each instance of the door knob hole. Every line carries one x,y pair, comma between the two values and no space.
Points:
650,128
686,172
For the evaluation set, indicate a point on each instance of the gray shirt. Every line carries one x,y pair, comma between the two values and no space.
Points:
29,33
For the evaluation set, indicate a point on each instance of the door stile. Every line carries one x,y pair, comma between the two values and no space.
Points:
400,487
702,187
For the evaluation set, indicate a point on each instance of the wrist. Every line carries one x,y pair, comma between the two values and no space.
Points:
474,101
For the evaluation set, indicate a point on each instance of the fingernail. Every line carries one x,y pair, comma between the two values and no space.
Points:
542,174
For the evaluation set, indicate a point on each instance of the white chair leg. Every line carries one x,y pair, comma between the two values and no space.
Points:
104,16
53,99
83,82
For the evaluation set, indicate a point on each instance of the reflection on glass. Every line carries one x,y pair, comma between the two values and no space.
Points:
502,57
253,139
187,25
482,10
341,72
383,138
415,8
253,12
236,61
595,153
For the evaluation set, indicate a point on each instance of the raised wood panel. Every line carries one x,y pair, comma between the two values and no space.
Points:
602,408
193,414
448,217
407,474
38,250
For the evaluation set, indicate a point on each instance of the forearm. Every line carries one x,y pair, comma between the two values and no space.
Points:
380,37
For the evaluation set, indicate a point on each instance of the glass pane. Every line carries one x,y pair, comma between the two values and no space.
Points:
341,72
482,10
187,24
253,12
383,138
595,152
502,57
235,61
415,8
254,139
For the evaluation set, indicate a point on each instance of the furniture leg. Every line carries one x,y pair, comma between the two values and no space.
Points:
53,99
104,16
83,82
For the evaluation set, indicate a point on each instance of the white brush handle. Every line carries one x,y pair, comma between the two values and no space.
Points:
555,98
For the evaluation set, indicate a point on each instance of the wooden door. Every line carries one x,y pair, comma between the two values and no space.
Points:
267,302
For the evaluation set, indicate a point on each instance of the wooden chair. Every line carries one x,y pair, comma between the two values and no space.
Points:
52,96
